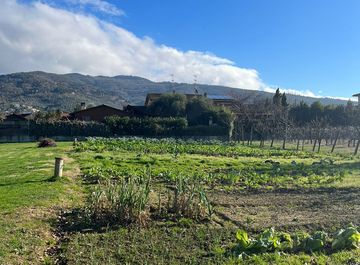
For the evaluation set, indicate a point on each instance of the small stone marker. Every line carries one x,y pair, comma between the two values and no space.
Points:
59,164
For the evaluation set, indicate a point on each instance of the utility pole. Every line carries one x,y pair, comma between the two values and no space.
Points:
195,85
172,86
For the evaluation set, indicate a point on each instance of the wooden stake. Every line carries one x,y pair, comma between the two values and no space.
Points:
59,165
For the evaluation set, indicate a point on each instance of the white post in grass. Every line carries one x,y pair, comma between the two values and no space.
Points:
59,165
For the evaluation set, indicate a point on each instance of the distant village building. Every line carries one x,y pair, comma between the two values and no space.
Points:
224,101
15,127
98,113
358,96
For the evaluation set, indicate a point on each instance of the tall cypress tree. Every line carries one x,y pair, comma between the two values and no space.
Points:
284,100
277,98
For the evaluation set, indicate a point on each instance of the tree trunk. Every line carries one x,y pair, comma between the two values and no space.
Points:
314,146
272,142
303,145
357,147
243,134
284,140
298,144
319,141
335,140
251,134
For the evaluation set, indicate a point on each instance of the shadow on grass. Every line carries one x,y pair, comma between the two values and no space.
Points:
19,183
355,165
78,220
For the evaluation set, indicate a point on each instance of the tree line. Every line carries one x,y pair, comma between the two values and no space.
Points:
301,123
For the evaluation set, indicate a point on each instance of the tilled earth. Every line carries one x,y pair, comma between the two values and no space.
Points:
325,208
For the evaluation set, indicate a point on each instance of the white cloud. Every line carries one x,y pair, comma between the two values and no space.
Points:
41,37
99,5
305,93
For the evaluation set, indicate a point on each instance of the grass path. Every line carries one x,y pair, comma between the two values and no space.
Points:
30,199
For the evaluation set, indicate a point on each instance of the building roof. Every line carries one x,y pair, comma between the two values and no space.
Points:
96,107
356,95
219,97
17,117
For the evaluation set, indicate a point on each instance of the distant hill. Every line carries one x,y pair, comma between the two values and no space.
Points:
53,91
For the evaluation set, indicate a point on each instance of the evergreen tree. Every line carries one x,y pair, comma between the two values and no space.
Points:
284,100
349,106
277,98
317,110
169,105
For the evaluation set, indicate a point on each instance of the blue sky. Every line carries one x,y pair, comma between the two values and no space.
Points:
296,44
301,45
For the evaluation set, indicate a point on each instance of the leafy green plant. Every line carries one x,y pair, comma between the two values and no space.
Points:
315,242
271,241
171,145
268,241
346,238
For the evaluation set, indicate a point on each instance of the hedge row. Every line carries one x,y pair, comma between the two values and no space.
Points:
149,126
68,128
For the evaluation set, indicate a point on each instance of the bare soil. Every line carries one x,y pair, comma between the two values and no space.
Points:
289,210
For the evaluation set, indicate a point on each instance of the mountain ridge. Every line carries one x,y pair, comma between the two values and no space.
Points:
42,90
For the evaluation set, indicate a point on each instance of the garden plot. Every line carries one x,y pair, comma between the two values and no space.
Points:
130,201
200,194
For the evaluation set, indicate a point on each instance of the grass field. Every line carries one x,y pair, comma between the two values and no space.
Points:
249,188
30,199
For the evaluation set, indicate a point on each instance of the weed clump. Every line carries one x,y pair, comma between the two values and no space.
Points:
46,142
123,202
190,199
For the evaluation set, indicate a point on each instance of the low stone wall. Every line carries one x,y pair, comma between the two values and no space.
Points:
27,138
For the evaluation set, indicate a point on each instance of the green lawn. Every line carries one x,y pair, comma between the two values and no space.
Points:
30,198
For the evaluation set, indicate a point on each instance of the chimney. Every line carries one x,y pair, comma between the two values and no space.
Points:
82,106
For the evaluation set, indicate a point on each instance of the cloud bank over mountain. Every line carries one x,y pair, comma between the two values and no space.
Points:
38,36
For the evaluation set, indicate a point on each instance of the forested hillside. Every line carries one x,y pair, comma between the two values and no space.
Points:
52,91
